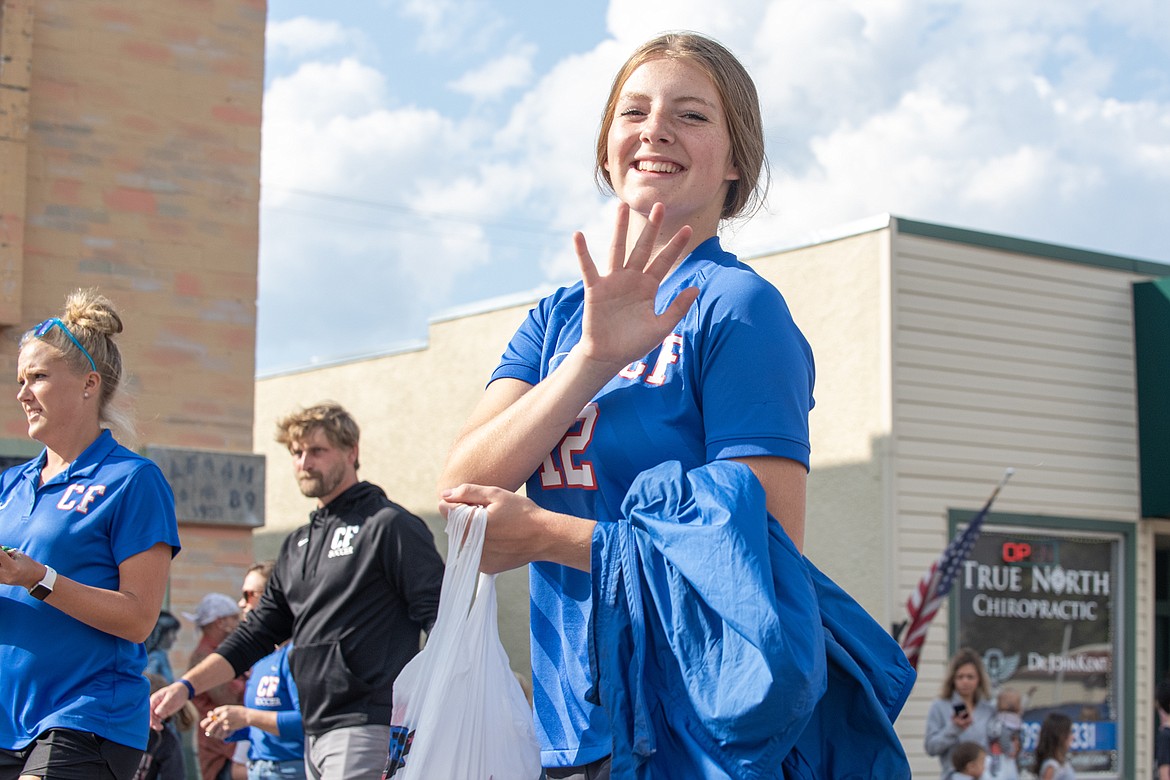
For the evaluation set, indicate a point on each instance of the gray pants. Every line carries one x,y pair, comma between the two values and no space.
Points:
597,770
352,753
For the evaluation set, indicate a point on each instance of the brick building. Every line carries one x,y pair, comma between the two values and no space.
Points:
130,161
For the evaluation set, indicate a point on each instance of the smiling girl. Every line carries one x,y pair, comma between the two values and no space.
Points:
671,379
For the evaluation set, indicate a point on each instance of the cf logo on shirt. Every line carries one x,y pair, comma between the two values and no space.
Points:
342,541
79,497
267,686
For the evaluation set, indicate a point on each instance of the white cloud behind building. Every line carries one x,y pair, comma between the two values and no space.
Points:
420,156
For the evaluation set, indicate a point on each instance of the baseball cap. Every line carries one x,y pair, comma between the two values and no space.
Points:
211,608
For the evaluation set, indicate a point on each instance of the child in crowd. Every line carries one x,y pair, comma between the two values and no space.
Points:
1053,747
1162,740
163,759
1003,736
968,759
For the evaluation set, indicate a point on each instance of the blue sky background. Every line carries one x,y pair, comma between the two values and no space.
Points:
422,155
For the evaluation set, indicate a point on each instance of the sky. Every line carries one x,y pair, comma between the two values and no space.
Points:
424,157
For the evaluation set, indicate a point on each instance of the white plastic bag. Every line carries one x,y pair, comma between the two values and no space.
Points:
459,712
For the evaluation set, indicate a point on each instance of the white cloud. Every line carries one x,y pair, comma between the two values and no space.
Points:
632,22
493,79
318,91
1001,116
303,35
343,224
453,24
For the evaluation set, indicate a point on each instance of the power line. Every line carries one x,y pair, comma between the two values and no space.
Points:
449,216
418,227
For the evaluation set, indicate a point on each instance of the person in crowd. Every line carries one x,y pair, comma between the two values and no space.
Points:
217,616
240,758
1053,747
671,366
163,759
1003,736
1162,738
968,760
270,717
354,589
88,532
159,644
962,710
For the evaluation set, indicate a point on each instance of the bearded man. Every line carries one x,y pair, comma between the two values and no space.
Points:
353,589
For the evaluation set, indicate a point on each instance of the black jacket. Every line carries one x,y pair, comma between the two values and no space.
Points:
353,589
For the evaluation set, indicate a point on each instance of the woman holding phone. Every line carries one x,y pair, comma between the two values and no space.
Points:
89,530
963,709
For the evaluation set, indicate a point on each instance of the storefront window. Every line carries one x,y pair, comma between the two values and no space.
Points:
1044,608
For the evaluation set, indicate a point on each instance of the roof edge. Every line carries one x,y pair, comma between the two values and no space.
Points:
1026,246
813,238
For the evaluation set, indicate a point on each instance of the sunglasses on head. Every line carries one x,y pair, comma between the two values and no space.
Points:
40,330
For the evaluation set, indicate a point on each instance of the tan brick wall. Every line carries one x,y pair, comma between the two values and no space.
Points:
213,559
142,178
130,161
16,26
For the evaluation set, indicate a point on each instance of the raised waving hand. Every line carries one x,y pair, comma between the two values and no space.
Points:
515,424
620,323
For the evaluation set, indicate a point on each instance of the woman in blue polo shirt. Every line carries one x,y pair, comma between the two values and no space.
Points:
89,530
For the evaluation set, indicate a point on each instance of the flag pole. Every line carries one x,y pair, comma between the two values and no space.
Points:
927,597
1007,474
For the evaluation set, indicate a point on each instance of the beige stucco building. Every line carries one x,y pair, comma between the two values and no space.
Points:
943,356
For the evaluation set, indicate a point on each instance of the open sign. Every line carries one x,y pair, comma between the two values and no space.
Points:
1036,552
1014,552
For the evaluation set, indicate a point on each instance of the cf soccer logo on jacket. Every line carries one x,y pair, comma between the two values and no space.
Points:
342,543
267,690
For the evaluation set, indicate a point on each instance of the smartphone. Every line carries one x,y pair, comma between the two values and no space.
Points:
960,710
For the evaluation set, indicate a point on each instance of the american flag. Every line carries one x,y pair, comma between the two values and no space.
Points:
936,583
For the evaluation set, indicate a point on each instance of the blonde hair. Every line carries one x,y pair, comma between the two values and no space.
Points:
1009,700
741,106
328,416
92,319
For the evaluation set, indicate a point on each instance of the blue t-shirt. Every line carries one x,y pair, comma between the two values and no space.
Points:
734,379
109,505
271,687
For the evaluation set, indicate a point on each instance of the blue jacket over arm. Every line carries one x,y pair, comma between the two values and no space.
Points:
721,652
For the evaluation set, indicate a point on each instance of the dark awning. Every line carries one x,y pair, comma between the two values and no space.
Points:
1151,324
